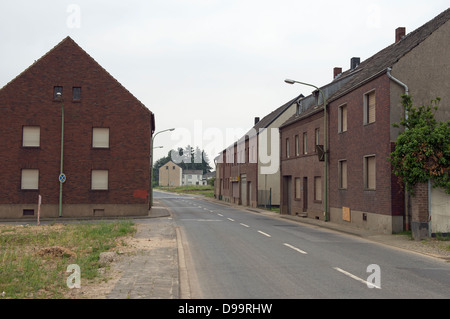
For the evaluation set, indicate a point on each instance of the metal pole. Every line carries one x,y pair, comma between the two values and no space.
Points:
325,145
62,158
151,168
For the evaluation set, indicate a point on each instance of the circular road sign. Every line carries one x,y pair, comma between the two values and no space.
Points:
62,178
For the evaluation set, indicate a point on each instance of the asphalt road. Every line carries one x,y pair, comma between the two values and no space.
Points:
234,253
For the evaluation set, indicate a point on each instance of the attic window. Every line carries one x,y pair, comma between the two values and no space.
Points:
76,93
56,90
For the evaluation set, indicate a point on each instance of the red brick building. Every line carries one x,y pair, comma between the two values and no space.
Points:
362,190
106,143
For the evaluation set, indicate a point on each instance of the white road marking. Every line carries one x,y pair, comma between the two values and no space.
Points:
265,234
355,277
220,215
245,225
296,249
230,219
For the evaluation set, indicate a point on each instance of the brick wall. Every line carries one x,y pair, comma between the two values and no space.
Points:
28,100
305,167
361,140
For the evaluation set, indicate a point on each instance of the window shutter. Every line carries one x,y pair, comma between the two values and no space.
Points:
99,180
343,172
30,179
344,119
31,136
371,173
371,107
318,188
297,188
100,137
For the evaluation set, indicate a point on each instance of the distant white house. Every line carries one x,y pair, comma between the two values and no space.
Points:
193,177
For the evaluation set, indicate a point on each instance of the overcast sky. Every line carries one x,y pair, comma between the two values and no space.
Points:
209,67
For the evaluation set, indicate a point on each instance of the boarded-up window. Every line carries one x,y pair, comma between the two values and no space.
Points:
99,180
30,179
317,136
369,108
305,143
297,188
370,172
342,118
318,188
31,136
287,148
343,174
100,137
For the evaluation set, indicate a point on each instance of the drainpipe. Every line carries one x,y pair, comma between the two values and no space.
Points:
406,117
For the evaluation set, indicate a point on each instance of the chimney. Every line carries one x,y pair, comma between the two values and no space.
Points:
399,34
336,72
256,120
354,62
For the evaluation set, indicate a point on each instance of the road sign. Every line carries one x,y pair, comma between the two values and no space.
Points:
62,178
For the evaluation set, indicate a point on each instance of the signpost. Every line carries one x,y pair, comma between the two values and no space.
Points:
39,210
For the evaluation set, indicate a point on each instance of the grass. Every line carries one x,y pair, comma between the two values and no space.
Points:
34,259
205,190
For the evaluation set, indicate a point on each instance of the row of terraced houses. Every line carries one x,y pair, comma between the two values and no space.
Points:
333,163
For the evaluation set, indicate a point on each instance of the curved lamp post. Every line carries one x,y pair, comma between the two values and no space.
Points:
325,206
151,170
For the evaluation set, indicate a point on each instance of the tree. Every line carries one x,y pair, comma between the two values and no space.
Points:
422,151
187,158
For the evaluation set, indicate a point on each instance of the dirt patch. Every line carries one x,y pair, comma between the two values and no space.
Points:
57,251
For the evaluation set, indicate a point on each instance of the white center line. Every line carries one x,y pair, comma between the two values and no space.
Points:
369,284
230,219
245,225
220,215
296,249
265,234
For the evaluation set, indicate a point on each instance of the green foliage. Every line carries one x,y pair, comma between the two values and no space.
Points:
422,151
191,159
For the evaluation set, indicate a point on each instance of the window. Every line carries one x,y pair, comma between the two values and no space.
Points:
369,108
100,137
305,143
343,174
297,145
318,188
99,180
342,119
297,188
76,93
370,172
317,136
56,90
287,148
31,136
30,179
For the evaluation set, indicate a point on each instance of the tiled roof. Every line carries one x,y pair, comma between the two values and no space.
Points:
378,63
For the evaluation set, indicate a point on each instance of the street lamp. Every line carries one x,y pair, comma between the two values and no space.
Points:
151,155
62,177
325,143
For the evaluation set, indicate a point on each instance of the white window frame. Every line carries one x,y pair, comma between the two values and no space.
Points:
29,179
98,180
31,136
98,137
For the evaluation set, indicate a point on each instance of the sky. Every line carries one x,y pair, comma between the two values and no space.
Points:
208,67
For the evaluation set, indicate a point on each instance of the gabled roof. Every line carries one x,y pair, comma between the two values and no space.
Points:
70,45
375,66
381,61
